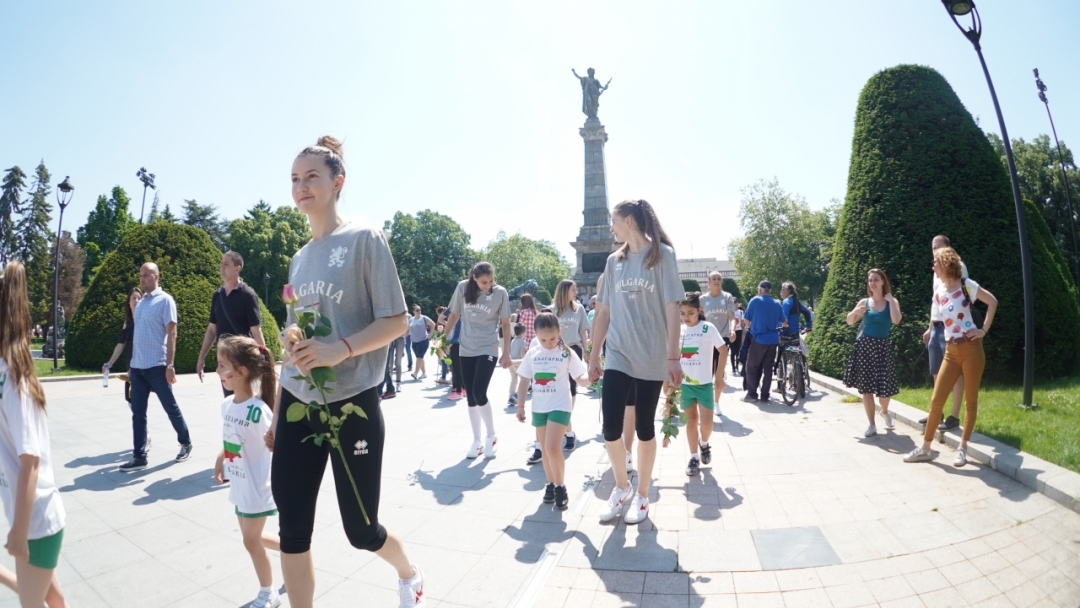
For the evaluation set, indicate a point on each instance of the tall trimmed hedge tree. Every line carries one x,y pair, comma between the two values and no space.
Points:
920,166
189,264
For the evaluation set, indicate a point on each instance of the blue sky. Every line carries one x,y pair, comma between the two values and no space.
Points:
469,108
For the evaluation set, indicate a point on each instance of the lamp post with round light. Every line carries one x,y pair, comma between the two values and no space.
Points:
147,180
266,288
63,197
961,8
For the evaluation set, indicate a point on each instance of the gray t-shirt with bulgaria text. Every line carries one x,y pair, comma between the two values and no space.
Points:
571,322
716,310
350,274
480,321
637,333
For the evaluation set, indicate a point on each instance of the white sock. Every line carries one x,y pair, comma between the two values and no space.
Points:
537,444
474,419
269,589
704,445
489,421
695,455
571,434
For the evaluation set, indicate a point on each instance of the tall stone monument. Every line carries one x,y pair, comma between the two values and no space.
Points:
594,240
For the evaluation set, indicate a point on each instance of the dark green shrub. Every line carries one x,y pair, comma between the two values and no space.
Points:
920,166
189,265
543,296
691,285
729,285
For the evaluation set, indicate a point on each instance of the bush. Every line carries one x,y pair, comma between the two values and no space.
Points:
729,285
543,296
920,166
189,265
689,285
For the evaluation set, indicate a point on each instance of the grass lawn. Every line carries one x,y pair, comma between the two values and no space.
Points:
1051,432
43,368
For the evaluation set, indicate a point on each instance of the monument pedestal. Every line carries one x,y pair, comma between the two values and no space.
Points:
593,244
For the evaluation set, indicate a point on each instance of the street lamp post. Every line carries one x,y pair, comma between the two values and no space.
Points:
1064,175
147,180
63,197
960,8
266,288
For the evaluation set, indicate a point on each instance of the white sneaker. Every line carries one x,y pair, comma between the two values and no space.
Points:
889,421
639,508
490,446
918,455
870,431
615,503
267,599
476,449
629,462
961,458
411,591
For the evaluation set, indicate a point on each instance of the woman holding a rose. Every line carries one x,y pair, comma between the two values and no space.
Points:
345,295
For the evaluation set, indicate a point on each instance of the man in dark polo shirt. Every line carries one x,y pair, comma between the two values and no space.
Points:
234,311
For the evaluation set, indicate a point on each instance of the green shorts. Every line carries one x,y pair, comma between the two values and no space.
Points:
558,417
45,552
255,515
702,393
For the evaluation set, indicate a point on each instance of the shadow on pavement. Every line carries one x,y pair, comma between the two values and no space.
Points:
188,486
116,458
538,534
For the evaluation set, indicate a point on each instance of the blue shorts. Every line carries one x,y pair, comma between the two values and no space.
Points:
936,346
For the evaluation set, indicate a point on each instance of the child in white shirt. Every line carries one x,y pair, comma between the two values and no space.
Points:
247,418
548,367
699,340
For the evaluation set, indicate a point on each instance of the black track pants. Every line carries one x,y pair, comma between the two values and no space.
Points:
477,374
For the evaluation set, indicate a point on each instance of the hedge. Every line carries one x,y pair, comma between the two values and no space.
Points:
920,166
731,286
690,285
189,265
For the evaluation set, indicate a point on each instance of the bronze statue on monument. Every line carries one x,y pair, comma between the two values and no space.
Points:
590,92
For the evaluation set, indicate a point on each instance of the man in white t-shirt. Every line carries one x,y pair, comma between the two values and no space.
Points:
934,338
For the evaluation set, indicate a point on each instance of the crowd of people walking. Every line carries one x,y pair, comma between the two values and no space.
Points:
643,336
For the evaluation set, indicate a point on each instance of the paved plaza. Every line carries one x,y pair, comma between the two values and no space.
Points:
796,509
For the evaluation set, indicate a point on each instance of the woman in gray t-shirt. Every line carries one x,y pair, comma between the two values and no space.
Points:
420,328
637,315
347,273
482,307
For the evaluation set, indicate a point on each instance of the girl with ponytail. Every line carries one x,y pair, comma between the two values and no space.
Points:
243,364
482,307
637,315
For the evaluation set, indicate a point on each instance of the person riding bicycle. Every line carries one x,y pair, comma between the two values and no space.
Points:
792,309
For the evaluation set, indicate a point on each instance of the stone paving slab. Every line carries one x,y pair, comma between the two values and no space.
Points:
873,530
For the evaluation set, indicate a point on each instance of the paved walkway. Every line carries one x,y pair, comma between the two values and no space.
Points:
797,509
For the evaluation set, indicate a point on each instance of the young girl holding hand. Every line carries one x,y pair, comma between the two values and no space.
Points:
550,367
700,346
242,363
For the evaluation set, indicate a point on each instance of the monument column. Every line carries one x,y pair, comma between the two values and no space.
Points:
593,244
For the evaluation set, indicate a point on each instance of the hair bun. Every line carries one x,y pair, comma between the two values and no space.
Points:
331,143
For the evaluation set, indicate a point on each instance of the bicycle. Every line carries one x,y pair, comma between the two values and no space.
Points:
794,373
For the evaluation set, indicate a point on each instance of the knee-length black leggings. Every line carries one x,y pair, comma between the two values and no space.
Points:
456,381
615,398
297,469
476,372
573,381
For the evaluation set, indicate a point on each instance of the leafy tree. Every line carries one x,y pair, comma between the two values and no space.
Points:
784,240
689,285
729,285
10,204
189,264
72,259
518,258
1041,183
268,239
34,237
432,254
157,214
207,218
104,228
920,166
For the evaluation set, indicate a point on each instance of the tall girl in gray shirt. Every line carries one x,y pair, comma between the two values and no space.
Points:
637,314
348,273
482,307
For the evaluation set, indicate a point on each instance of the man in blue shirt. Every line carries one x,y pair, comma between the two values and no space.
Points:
765,317
151,368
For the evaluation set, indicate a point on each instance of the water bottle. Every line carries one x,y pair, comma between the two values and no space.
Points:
105,377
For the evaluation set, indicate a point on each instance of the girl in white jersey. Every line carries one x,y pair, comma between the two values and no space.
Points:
550,366
246,459
27,486
699,343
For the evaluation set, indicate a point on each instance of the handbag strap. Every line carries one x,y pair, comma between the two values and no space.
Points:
971,303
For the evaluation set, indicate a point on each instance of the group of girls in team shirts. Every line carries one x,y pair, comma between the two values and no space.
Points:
636,324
